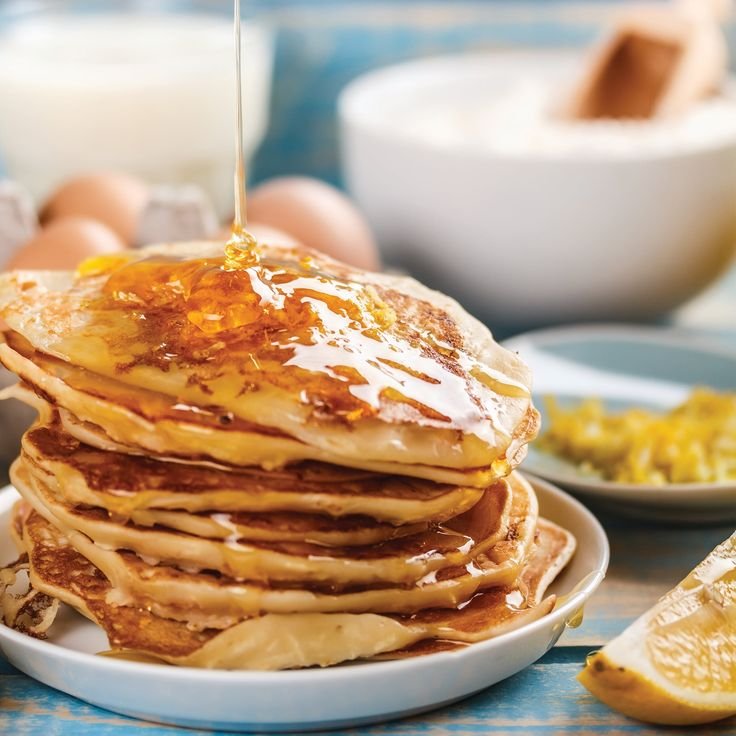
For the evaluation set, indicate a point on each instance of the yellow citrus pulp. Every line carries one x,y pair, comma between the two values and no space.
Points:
677,663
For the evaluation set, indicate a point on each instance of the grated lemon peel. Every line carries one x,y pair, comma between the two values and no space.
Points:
693,443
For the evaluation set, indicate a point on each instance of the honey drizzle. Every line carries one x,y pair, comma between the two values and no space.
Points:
242,248
344,348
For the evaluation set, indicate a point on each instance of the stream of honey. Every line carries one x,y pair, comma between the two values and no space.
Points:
242,248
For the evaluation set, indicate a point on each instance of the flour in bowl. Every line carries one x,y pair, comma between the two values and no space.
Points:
522,121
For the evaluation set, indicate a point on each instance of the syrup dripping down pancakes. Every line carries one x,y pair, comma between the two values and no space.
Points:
271,460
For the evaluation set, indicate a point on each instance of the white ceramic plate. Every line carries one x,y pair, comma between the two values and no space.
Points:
629,366
303,700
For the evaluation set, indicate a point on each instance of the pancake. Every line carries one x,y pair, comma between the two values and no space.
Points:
126,485
210,600
150,423
158,425
274,641
315,529
23,607
399,561
338,365
505,608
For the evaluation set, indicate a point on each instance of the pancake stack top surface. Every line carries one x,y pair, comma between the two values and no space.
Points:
270,462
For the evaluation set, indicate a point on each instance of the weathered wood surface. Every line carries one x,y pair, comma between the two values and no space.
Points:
543,699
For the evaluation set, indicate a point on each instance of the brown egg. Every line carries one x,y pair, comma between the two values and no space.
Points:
64,244
318,215
263,234
116,200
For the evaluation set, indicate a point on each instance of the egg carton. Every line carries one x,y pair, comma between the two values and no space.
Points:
172,213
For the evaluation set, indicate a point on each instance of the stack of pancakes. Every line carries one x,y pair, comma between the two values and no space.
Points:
271,461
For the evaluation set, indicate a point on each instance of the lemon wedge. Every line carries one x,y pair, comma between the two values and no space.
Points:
676,664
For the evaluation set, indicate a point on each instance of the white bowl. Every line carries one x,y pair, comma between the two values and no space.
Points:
304,700
524,236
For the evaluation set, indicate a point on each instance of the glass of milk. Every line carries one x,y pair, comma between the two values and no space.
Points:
145,88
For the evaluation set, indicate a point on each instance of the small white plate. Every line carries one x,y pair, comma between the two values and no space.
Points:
628,366
304,700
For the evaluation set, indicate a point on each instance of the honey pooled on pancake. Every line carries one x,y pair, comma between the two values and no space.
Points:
303,328
295,344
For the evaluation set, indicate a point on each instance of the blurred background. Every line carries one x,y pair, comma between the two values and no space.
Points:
321,45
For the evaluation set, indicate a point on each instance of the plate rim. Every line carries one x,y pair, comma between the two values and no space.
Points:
588,586
675,337
672,336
